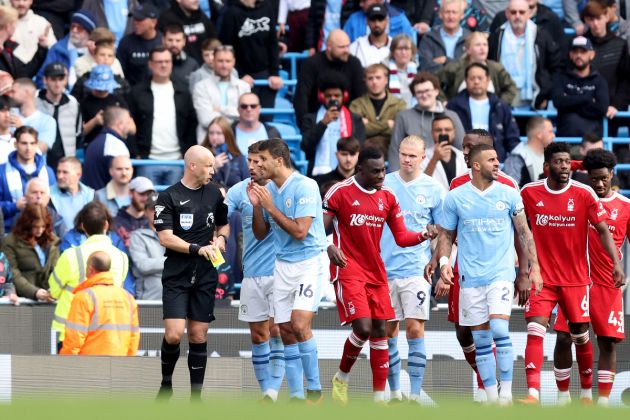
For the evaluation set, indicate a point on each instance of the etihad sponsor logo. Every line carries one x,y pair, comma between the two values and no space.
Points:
555,220
485,225
366,219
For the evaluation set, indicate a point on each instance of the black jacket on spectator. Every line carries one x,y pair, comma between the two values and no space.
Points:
141,109
91,105
306,101
133,54
314,28
581,103
545,18
252,33
183,66
418,10
15,67
197,28
548,60
502,124
312,133
613,63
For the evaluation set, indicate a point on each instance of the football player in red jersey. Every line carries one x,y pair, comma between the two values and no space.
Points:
464,335
560,212
358,209
606,297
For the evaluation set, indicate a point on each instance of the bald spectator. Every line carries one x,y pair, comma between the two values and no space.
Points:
69,195
98,301
109,143
115,194
321,22
444,43
28,29
131,217
525,163
336,58
24,97
529,55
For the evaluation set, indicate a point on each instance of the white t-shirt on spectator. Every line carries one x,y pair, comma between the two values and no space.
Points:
367,53
7,145
164,141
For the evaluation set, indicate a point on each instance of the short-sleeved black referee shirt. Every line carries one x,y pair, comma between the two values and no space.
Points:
192,215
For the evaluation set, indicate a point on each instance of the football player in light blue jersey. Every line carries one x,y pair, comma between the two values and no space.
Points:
293,210
420,198
484,214
256,305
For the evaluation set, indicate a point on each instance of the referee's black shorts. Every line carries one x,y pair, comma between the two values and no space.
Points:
188,288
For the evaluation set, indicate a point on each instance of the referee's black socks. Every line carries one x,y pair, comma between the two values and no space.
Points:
197,359
169,355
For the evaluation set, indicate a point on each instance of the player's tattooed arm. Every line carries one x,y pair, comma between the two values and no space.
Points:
444,247
526,240
609,245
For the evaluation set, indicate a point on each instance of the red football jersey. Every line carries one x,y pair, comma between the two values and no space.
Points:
359,218
618,208
503,179
560,223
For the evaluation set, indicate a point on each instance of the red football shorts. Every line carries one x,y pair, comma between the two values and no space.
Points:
453,300
606,309
358,299
572,300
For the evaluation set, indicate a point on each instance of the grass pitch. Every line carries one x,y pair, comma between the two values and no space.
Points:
229,408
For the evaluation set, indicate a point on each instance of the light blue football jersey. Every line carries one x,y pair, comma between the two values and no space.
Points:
421,204
298,197
258,256
485,232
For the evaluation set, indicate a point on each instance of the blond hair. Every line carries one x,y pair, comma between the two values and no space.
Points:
414,141
8,15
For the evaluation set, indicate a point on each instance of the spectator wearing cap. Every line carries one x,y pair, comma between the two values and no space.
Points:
9,62
218,94
374,47
336,58
356,26
85,63
174,40
195,24
24,97
249,26
611,58
323,129
166,119
580,93
110,142
69,195
115,194
28,29
445,42
147,257
64,109
101,86
71,47
7,141
529,55
112,14
132,217
134,48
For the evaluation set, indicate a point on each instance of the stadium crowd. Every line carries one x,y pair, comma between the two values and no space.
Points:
90,87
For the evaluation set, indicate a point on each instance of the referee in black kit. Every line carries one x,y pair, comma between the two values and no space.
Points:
186,215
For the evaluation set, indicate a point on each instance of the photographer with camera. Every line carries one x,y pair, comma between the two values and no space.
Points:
444,162
333,120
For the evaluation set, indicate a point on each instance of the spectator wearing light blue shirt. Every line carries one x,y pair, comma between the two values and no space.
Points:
293,210
112,14
69,195
24,96
420,198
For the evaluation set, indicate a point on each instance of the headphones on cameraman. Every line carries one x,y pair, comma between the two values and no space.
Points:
322,100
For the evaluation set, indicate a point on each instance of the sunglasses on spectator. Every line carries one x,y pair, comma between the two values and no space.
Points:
249,106
518,12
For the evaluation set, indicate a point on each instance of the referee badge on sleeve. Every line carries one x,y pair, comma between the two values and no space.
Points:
186,220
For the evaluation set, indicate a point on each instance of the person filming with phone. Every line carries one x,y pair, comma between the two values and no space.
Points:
333,120
444,162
